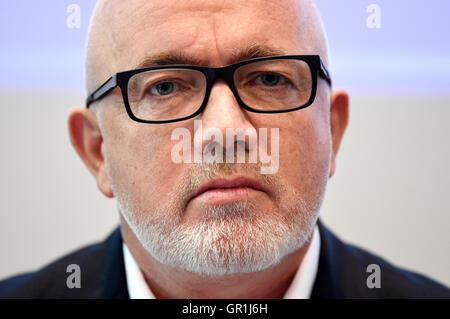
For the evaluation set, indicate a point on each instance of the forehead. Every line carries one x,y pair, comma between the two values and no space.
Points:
211,31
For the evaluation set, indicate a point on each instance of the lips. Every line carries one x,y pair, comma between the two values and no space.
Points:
239,183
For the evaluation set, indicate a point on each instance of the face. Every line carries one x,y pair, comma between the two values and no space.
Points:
215,232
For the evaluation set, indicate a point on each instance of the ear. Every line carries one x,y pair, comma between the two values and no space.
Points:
339,101
87,140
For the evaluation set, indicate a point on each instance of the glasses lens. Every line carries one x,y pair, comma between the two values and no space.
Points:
167,94
274,85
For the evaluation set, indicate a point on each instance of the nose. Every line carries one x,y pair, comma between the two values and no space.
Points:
223,114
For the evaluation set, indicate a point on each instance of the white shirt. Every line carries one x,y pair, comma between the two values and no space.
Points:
300,287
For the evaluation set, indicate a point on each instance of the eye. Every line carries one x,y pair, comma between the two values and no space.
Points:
163,88
270,79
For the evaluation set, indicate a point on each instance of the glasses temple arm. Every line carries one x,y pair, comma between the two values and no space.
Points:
104,89
323,72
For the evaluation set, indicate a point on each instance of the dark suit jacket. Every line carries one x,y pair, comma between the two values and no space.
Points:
341,274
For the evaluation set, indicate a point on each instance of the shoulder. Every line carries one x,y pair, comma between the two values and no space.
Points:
51,280
354,271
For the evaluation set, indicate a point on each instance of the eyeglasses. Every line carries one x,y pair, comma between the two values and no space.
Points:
171,93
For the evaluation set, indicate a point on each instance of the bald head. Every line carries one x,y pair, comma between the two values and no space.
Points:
122,33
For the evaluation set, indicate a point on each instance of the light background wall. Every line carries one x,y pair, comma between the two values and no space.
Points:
391,190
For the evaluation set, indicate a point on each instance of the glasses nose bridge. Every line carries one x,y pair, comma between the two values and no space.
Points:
224,72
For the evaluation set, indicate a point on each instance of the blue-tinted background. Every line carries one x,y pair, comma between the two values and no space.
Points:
409,54
391,189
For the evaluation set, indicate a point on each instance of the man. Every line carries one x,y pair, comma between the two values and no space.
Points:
224,228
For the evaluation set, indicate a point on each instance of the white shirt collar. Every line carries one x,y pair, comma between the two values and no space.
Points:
300,288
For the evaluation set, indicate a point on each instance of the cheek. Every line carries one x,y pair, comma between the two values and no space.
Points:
305,148
137,160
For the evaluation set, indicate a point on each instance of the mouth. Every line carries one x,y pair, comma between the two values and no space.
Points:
228,190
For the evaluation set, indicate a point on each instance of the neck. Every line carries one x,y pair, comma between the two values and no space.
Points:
168,282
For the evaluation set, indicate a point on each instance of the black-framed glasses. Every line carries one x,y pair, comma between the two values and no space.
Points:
171,93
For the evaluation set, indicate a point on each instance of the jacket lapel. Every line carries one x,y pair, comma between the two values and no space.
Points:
113,283
326,284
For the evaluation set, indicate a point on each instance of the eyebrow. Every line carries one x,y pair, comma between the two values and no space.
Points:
178,57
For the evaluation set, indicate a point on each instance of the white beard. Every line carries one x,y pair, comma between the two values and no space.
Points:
232,238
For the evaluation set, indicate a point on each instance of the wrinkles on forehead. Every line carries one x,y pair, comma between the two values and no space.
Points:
117,36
